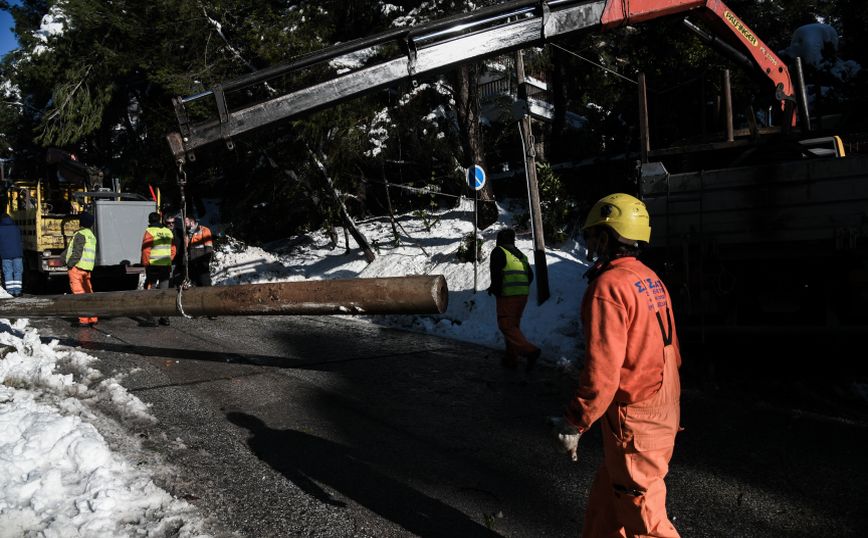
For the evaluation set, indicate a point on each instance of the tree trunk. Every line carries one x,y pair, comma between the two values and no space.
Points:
557,150
467,105
349,224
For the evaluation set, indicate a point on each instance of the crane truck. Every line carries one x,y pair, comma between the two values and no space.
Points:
723,217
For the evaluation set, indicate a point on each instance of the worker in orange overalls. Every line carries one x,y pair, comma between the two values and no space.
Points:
630,378
80,260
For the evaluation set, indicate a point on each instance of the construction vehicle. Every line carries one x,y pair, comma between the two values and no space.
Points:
46,211
766,222
774,246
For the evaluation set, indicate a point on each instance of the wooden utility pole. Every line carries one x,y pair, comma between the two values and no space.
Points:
802,97
539,243
421,294
727,104
644,130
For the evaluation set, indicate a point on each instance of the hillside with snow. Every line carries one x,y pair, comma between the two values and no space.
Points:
428,246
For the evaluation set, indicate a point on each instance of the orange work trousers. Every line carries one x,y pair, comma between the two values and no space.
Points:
509,311
628,497
79,282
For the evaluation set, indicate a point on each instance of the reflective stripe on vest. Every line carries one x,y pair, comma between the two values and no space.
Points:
515,280
88,253
161,250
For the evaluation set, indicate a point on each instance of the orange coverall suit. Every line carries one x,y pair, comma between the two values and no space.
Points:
80,258
631,382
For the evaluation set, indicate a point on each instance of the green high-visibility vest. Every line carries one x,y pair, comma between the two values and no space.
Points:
515,279
161,250
88,254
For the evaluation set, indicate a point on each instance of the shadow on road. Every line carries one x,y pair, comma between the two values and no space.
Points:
305,459
89,339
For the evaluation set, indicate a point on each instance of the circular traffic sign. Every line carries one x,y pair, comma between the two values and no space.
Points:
476,177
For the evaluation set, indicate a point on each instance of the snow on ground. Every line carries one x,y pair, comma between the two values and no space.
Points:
69,468
72,464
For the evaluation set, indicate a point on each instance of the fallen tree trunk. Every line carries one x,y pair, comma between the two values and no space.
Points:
391,295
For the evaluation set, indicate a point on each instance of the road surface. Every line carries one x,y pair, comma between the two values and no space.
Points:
316,426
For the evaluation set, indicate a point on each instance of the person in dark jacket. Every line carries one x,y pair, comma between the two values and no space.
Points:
80,260
12,254
176,224
511,276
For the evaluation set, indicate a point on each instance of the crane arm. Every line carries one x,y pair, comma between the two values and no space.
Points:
620,12
436,47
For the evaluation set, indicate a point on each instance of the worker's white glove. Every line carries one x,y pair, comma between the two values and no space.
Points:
566,436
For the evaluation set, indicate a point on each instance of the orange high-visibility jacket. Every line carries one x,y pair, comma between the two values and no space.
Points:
200,242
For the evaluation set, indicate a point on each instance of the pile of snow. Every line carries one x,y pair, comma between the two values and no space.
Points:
428,246
60,476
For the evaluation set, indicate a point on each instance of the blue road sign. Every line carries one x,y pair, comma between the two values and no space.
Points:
476,177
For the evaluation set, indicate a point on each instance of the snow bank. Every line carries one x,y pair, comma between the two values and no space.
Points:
427,244
60,476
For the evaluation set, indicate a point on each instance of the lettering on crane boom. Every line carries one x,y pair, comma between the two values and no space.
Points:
738,25
769,56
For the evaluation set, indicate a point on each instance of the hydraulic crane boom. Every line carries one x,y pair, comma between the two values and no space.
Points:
628,12
439,45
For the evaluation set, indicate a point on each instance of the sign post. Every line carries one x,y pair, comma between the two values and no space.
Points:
476,181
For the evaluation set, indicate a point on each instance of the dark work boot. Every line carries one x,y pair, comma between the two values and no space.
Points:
531,360
509,361
164,321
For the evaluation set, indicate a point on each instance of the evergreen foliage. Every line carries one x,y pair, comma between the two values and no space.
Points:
558,207
101,86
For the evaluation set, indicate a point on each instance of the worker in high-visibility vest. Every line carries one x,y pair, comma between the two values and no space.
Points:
80,260
511,276
200,250
158,250
630,381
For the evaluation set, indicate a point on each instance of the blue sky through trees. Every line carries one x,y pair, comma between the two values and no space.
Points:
7,38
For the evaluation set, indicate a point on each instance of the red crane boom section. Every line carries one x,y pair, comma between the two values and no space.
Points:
621,12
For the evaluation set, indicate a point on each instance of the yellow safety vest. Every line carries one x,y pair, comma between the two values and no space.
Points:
515,279
161,250
88,254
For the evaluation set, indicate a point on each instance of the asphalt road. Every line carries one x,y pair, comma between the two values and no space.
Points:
314,426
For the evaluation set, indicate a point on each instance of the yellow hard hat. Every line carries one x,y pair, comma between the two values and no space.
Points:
624,214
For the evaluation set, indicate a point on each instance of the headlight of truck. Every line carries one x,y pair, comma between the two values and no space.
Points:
46,253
